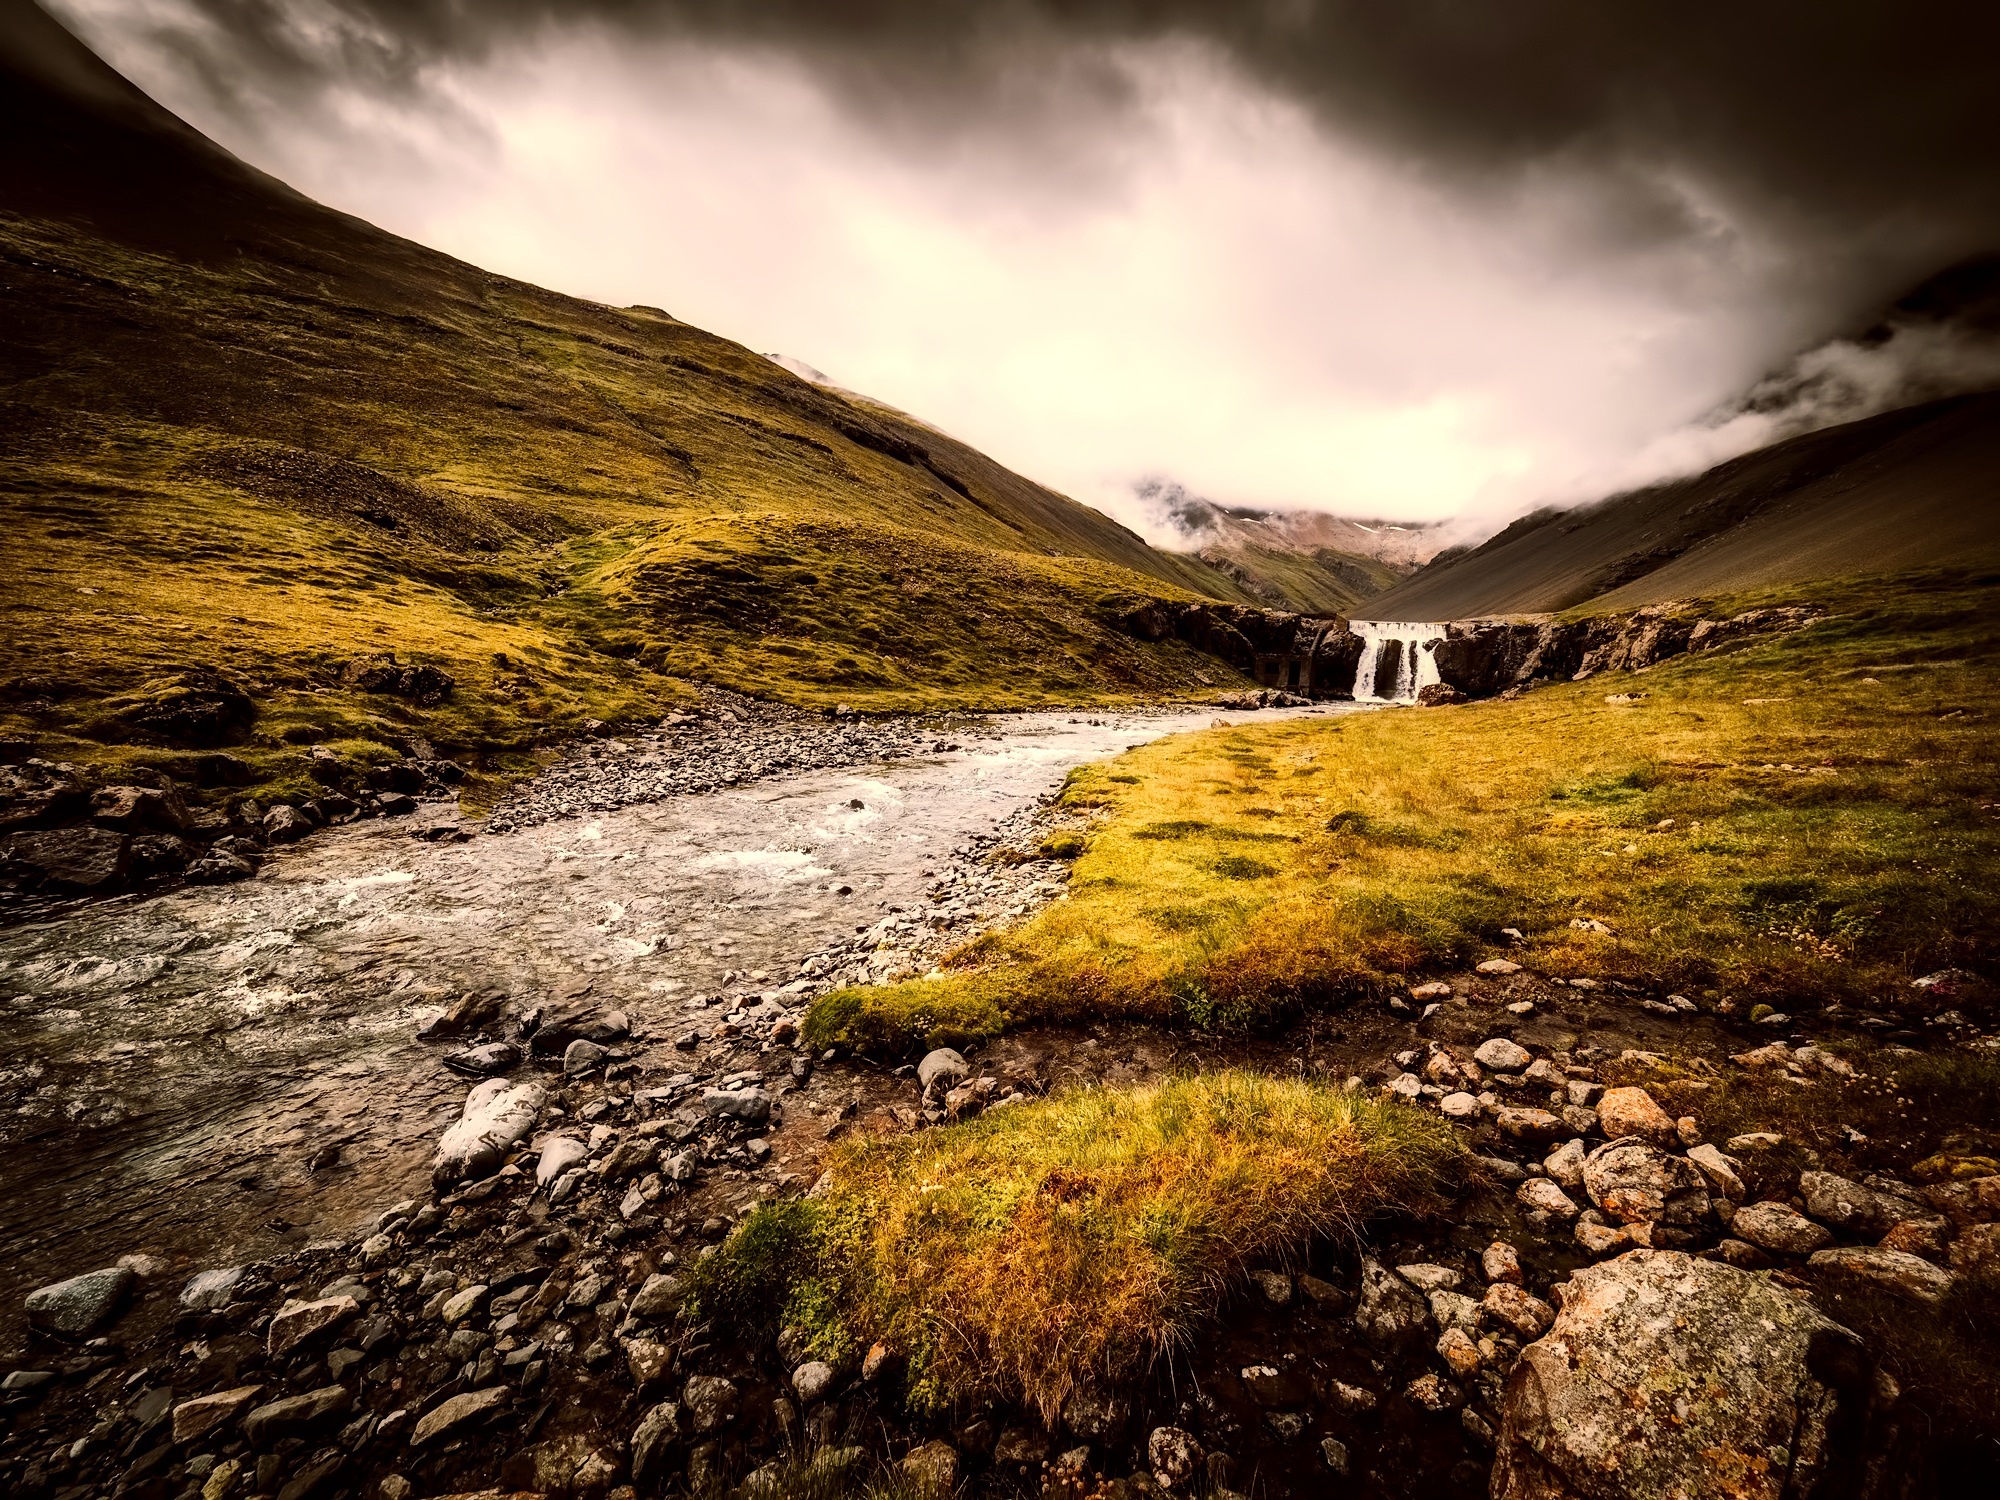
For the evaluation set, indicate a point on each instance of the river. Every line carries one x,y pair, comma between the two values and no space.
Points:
172,1064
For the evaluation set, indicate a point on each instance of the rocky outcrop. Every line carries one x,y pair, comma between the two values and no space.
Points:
1669,1376
1481,657
1318,655
424,685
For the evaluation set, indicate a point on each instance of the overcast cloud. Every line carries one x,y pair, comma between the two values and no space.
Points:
1417,260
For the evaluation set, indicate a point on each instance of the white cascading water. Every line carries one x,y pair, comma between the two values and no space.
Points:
1396,660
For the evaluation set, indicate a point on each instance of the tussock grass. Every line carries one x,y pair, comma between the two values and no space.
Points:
1072,1239
1810,818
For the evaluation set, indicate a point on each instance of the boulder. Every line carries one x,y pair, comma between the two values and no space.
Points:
1626,1112
1666,1377
1633,1180
1779,1227
1848,1206
582,1057
68,861
487,1061
81,1305
497,1116
1725,1173
1517,1310
1866,1267
207,1290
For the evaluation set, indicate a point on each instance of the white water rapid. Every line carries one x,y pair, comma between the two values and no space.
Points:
1396,661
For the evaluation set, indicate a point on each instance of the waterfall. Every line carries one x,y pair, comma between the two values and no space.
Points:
1396,660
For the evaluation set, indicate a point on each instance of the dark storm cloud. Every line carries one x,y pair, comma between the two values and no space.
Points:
1863,123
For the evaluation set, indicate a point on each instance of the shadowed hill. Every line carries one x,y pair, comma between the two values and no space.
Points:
1907,489
249,434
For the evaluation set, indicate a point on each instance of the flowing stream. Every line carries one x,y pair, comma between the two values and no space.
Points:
171,1065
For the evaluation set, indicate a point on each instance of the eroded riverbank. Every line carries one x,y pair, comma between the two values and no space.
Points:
222,1073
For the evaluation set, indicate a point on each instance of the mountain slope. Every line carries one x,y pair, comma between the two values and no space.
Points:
251,435
1906,489
1299,560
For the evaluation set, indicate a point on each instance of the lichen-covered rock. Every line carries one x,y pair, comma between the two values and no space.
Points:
1625,1112
1633,1180
1667,1377
1867,1267
1779,1227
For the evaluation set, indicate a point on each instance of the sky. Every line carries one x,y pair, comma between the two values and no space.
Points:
1423,261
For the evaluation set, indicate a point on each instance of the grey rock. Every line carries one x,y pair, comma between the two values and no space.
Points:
73,861
1388,1311
1633,1180
1729,1403
82,1304
659,1297
296,1322
459,1411
291,1414
656,1433
285,825
751,1106
581,1057
940,1069
496,1117
812,1380
485,1061
1848,1205
1502,1055
1895,1271
708,1401
559,1154
1779,1227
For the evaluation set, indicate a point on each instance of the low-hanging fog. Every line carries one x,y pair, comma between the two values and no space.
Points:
1287,256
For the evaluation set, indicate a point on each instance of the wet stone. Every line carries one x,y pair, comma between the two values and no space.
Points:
82,1304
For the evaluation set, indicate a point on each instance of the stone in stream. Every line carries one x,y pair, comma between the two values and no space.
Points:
82,1304
497,1116
72,861
1501,1055
1668,1377
581,1057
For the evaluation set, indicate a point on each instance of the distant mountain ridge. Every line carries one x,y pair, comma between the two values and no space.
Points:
1303,560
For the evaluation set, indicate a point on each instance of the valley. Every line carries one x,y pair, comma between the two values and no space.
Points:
586,917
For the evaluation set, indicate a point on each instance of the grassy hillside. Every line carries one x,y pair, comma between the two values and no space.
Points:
1913,488
1312,580
1805,821
251,436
